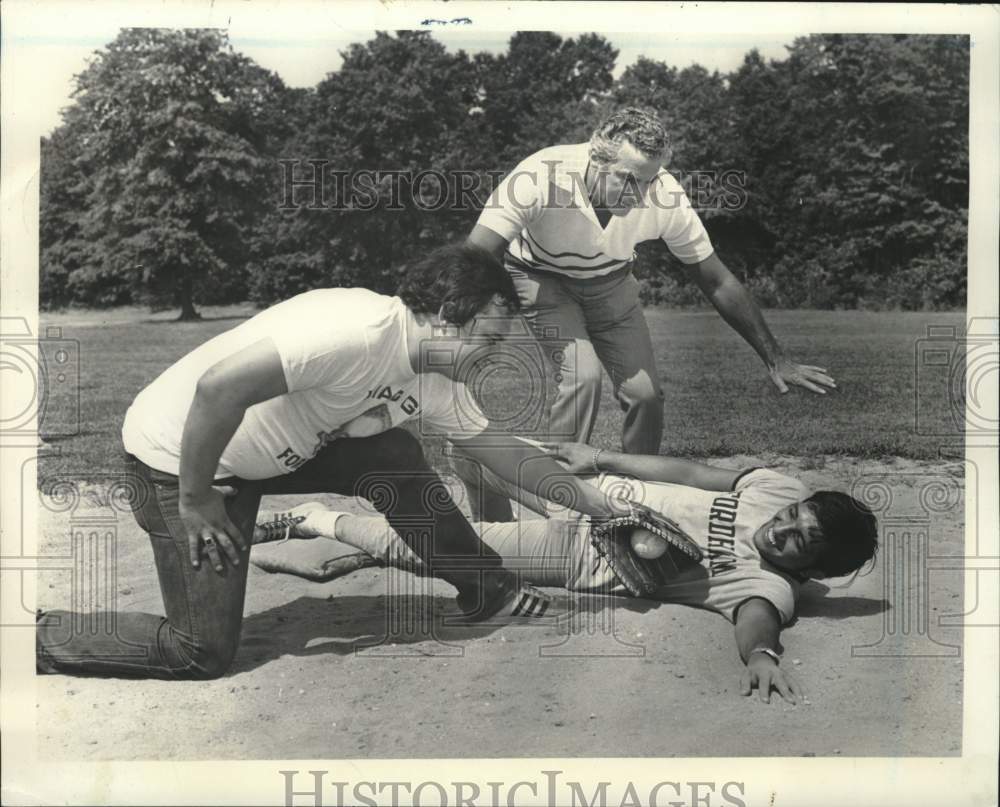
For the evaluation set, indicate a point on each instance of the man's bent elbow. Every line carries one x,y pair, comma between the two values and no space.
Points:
213,390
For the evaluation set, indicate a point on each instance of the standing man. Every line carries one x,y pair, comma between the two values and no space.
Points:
566,221
308,397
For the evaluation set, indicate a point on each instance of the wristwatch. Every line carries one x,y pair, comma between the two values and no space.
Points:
595,458
767,651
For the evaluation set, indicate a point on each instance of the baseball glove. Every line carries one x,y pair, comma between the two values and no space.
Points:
612,539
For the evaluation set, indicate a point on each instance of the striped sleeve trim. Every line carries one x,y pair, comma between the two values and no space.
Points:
744,473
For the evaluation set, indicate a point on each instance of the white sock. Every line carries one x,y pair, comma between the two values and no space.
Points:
374,536
322,522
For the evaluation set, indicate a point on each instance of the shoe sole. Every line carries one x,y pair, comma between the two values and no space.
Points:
527,607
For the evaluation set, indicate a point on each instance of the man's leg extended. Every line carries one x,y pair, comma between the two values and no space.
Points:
620,335
319,563
543,552
389,470
550,305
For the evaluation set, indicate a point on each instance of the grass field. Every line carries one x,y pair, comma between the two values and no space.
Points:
719,400
347,669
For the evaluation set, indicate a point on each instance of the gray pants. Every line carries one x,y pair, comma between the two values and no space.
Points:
582,326
554,552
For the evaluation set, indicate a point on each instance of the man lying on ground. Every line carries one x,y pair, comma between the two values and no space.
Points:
762,535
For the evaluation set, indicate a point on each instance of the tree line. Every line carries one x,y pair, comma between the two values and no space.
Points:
167,182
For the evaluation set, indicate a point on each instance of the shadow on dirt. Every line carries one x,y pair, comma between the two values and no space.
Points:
814,601
398,625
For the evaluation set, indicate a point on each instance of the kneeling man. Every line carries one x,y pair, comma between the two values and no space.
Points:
308,397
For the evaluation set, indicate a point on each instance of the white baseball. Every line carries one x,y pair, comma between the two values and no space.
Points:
647,545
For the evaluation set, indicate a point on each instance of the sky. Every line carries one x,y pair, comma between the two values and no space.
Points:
304,62
303,59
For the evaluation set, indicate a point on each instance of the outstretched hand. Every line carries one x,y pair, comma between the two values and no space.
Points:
761,672
578,458
814,379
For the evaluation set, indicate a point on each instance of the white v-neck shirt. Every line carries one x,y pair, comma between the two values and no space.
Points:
542,209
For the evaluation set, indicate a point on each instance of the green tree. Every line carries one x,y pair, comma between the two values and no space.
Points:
172,128
64,187
543,91
165,182
693,105
399,103
856,153
901,177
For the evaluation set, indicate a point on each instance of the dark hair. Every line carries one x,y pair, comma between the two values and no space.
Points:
850,531
640,127
457,280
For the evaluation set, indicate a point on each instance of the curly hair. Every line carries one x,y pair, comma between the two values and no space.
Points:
640,127
458,280
850,530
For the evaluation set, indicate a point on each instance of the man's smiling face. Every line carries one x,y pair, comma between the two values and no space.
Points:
623,184
792,540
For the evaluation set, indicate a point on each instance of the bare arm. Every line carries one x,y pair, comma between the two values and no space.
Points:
737,307
485,238
528,467
579,458
758,625
221,399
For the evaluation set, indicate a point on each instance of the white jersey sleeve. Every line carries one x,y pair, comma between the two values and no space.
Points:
682,229
312,353
725,593
449,409
771,488
517,201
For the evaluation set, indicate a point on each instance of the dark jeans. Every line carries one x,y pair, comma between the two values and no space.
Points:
199,636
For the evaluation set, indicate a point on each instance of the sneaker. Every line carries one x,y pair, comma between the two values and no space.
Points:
280,526
521,606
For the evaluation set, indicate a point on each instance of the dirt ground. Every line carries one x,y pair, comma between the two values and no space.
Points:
342,669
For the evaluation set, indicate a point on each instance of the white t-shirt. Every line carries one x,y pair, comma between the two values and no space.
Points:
543,211
344,356
723,525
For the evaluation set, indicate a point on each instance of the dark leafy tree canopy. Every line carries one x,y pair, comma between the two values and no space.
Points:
165,184
168,132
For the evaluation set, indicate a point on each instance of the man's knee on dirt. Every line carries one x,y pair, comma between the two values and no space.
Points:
202,660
